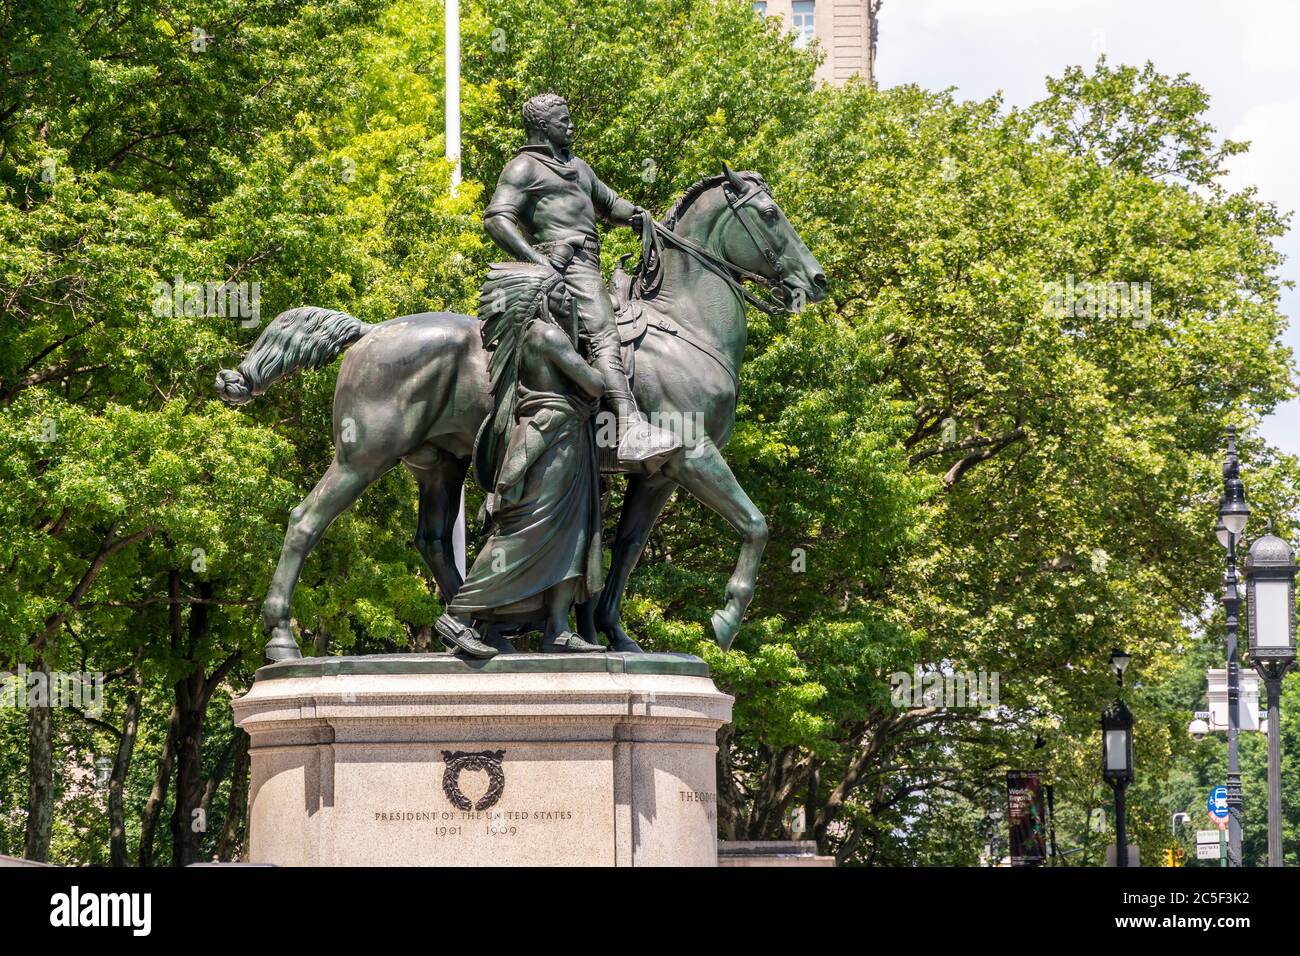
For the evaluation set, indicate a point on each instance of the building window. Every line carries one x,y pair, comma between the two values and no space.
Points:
804,32
760,7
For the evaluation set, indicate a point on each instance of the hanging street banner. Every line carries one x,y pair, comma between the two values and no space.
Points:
1025,818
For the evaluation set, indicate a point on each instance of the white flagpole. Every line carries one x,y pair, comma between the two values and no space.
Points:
452,114
453,88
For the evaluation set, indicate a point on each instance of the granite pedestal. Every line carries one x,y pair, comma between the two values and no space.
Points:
525,759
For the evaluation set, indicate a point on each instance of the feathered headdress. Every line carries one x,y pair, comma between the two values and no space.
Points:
512,294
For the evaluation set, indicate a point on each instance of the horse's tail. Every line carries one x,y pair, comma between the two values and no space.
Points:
305,337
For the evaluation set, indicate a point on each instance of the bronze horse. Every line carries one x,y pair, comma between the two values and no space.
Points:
415,390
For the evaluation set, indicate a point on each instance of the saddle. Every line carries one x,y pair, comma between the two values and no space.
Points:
635,315
630,313
513,290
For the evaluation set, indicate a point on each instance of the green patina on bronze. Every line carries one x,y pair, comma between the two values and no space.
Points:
677,665
686,320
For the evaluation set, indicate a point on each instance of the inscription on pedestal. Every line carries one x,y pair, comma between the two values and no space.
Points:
454,823
706,797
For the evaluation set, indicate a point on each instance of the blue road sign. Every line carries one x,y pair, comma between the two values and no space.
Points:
1217,803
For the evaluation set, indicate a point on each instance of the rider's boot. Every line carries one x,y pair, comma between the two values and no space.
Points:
641,445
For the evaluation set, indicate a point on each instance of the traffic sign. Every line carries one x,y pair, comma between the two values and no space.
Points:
1217,803
1205,851
1207,836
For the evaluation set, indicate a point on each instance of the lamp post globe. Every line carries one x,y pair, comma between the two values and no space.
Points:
1119,661
1233,510
1117,743
1223,534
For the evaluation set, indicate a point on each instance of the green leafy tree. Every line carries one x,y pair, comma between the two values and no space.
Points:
962,470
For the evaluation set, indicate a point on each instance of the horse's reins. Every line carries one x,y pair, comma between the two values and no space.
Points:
729,272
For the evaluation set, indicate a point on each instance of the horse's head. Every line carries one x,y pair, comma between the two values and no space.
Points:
754,234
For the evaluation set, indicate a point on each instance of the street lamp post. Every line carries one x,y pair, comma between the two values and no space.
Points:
1117,754
1270,596
1233,512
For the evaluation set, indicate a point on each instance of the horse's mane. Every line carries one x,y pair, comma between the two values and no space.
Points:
697,189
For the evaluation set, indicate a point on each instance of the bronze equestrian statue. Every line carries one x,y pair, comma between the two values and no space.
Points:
417,389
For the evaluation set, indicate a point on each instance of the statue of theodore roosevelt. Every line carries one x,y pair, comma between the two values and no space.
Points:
544,211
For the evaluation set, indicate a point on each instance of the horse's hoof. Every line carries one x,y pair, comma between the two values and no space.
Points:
724,628
282,646
625,645
620,642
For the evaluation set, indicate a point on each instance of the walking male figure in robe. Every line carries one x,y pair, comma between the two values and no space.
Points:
544,553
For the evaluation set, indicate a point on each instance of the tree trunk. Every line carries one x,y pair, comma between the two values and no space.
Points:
40,772
767,818
162,781
812,800
121,767
423,639
40,718
188,820
234,826
158,795
219,773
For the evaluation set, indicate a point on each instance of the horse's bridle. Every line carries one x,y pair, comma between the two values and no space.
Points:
764,249
776,300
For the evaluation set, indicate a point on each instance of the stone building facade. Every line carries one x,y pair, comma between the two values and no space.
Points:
846,30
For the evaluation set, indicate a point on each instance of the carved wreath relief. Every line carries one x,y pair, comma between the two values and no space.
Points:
458,761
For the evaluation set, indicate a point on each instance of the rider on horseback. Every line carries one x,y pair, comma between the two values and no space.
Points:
550,197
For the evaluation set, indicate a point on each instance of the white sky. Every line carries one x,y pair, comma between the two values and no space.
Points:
1245,53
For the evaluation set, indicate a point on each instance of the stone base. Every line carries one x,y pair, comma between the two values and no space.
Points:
525,759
